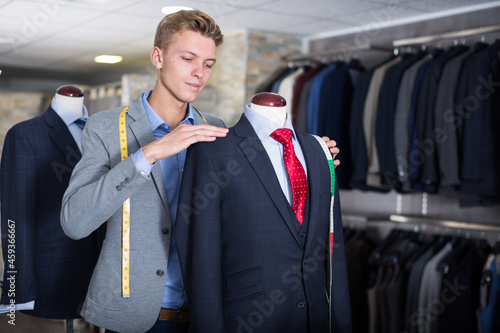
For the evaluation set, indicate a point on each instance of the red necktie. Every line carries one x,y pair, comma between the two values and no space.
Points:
295,171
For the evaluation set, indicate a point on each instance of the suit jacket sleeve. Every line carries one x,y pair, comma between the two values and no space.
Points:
198,224
18,175
100,183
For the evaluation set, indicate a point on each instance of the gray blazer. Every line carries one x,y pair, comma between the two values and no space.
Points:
99,185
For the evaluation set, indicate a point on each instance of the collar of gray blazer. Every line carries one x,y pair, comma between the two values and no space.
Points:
136,110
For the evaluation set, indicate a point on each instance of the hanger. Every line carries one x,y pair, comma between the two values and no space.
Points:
383,246
452,259
496,248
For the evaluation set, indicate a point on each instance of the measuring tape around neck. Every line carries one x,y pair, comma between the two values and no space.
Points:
332,226
125,211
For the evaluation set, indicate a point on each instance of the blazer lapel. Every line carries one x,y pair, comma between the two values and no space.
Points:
141,129
61,136
314,182
256,155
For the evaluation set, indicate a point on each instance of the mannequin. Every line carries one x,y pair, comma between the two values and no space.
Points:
51,271
270,105
72,98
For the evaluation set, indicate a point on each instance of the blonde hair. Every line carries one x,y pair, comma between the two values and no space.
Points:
194,20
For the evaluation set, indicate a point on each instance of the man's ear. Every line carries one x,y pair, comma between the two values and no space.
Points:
157,57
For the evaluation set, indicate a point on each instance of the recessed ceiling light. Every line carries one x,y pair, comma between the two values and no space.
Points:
172,9
7,39
108,59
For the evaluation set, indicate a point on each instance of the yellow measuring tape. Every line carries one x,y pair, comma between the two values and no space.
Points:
126,212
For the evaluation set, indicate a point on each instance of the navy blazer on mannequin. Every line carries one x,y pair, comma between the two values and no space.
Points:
247,264
37,160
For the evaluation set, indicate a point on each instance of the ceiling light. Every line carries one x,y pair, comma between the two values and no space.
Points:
172,9
7,39
108,59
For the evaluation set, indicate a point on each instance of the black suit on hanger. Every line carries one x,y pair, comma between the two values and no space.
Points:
480,96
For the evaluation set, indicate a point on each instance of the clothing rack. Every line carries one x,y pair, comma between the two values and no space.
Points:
444,36
445,223
425,225
345,51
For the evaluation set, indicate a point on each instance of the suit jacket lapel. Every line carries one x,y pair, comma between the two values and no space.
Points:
256,155
61,136
141,129
314,181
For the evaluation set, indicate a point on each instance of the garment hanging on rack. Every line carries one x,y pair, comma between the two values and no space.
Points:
405,141
421,285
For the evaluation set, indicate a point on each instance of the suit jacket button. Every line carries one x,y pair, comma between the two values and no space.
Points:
165,231
303,234
160,272
118,188
127,180
301,305
123,184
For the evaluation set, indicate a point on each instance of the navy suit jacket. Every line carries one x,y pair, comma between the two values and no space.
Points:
37,160
247,264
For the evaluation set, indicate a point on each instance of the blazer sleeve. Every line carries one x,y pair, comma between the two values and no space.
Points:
18,176
198,240
98,187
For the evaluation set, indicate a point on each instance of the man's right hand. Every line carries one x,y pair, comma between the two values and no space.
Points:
179,139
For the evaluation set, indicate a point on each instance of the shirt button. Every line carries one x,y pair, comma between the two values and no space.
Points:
160,272
118,188
127,180
303,234
165,231
301,305
123,184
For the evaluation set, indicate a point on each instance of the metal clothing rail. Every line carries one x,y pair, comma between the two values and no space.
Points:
443,36
481,227
341,50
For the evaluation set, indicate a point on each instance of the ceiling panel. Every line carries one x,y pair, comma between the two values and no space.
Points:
67,34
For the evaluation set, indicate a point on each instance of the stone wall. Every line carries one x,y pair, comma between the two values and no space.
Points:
17,107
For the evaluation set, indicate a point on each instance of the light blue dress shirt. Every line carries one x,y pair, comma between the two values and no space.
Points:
69,119
174,296
263,127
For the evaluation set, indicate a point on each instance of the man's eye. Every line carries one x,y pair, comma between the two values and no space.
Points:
187,59
209,66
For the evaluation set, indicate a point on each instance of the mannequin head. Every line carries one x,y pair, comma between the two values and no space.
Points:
71,97
270,105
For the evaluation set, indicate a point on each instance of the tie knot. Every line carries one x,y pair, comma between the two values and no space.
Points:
282,135
80,123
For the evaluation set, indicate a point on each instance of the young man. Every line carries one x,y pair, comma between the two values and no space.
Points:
164,124
145,292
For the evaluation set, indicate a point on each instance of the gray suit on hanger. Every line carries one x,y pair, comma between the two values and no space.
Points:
447,148
402,121
99,185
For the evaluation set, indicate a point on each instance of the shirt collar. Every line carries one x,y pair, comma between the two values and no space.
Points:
262,126
155,120
66,114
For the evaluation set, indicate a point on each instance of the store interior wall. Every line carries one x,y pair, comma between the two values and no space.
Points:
248,57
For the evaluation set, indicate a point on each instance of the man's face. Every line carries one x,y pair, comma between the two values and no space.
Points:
187,65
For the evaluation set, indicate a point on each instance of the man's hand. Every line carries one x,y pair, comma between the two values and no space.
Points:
333,149
179,139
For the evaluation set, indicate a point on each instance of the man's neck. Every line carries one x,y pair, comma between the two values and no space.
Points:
171,111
